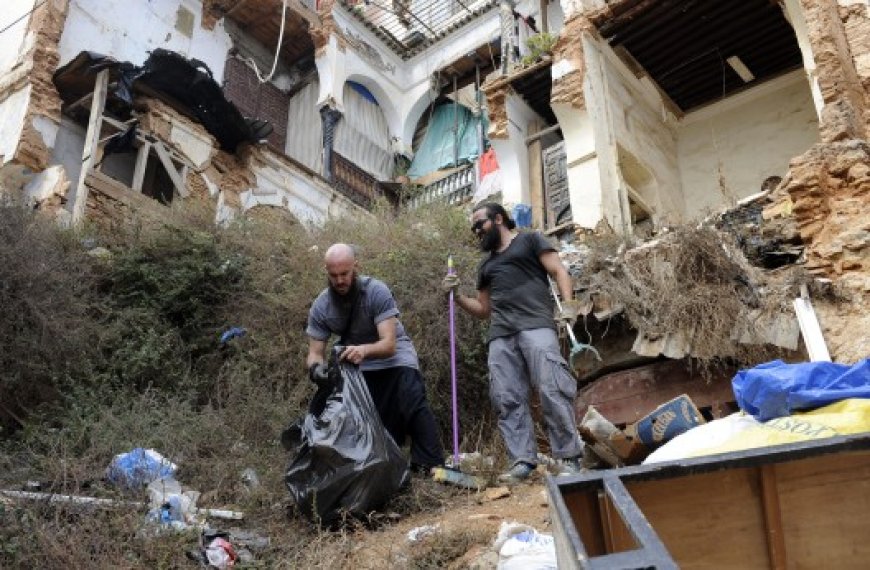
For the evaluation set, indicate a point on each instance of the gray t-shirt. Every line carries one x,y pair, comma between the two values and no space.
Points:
519,293
330,315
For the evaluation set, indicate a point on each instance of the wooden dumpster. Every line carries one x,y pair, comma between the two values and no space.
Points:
803,505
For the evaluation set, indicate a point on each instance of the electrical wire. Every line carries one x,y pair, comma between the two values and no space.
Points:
253,64
31,11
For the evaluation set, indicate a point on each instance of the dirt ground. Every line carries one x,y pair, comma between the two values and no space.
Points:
469,521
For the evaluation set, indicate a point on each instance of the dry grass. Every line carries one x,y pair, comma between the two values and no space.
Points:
692,281
128,350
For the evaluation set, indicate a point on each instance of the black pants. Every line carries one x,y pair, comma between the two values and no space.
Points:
400,397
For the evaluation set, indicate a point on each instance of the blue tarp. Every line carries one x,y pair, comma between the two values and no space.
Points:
361,89
776,389
436,152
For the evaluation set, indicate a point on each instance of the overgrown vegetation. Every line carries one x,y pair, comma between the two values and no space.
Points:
106,353
539,45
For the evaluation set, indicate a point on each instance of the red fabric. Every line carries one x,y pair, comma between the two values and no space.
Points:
488,163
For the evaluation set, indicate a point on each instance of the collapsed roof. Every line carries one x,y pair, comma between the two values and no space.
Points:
187,85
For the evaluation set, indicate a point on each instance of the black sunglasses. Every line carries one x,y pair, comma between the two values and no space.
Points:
478,225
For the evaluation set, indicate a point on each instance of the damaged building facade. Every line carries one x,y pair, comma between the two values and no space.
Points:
586,117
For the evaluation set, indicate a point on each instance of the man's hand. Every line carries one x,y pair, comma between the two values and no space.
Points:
318,373
570,309
450,283
354,354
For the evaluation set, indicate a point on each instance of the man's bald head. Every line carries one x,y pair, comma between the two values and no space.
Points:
340,261
339,252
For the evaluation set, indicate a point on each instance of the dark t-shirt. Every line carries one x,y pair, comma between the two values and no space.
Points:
519,293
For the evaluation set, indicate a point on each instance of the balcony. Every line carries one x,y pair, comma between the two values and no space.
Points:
455,188
358,185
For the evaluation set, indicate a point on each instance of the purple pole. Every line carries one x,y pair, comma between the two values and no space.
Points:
453,371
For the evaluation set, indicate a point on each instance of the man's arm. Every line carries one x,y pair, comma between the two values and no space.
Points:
385,347
551,262
478,307
316,352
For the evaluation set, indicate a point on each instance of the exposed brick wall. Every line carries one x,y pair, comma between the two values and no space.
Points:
260,101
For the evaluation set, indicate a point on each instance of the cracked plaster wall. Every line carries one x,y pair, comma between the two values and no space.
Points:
728,149
127,31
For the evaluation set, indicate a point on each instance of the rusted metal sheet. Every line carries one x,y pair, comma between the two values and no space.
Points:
626,396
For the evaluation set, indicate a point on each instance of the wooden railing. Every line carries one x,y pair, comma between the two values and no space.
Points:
455,188
358,185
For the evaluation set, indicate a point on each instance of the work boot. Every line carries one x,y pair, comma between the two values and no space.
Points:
516,474
570,466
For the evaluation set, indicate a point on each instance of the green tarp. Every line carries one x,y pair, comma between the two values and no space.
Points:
437,150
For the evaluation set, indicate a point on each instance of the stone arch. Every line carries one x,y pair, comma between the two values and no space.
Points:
422,97
385,102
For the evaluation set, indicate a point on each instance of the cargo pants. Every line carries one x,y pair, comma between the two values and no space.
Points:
522,361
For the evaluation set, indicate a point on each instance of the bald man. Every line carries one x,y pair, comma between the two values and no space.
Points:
361,311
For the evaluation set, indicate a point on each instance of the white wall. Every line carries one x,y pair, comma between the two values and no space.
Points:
128,30
12,112
752,135
12,41
641,127
513,153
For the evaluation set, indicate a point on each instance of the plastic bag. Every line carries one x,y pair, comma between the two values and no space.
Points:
776,389
521,547
342,457
137,468
842,418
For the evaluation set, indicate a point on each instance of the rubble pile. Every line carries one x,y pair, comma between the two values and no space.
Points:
689,292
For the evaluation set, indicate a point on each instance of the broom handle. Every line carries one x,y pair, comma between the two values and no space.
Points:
450,271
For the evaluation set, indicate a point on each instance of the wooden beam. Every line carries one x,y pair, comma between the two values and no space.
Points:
536,177
508,79
810,329
165,159
78,102
772,517
141,165
79,198
305,12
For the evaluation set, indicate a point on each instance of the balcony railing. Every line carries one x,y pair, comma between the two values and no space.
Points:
358,185
455,188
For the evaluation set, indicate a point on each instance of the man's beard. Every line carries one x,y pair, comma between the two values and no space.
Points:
491,240
352,292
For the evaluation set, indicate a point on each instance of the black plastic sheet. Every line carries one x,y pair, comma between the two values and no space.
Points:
343,460
187,85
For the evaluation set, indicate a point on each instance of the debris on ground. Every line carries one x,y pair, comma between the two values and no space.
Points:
137,468
520,546
421,532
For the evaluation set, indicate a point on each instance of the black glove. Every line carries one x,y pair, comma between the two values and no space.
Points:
319,373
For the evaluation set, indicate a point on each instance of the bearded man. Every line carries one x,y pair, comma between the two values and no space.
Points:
362,312
513,292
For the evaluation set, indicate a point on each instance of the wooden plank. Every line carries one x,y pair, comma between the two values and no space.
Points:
586,515
709,511
709,520
98,104
536,178
163,155
824,503
772,517
141,165
810,329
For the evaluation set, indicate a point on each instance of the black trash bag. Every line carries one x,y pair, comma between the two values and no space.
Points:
343,460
